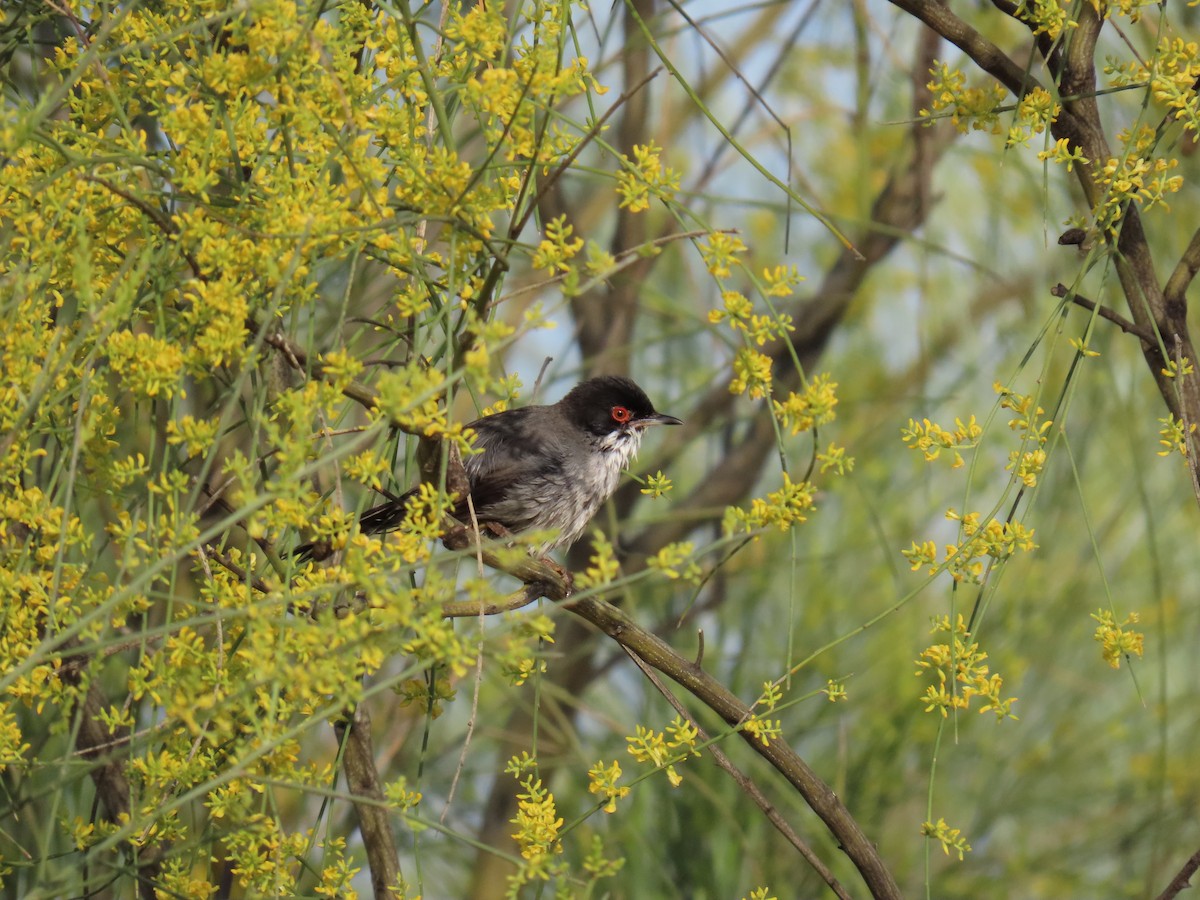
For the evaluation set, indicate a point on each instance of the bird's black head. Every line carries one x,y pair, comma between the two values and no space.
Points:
612,403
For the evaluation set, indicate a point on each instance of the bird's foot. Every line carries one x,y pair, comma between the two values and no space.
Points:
496,530
564,575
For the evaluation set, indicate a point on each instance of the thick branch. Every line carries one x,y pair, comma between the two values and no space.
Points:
95,743
820,798
1175,292
658,654
1183,879
746,784
362,778
985,54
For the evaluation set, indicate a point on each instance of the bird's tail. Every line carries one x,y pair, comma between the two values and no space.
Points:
386,516
376,520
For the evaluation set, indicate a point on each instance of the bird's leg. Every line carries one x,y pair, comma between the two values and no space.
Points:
568,579
460,537
496,530
564,575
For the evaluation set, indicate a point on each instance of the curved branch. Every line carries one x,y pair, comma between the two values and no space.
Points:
744,783
1175,292
656,653
1061,290
983,52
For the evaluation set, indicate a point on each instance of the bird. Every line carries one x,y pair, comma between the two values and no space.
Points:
544,468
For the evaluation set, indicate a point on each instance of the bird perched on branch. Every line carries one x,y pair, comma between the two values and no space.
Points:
544,468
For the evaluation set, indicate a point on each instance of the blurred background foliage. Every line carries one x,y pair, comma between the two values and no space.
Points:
1091,792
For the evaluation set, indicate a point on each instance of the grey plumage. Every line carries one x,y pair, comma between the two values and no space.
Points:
559,486
547,468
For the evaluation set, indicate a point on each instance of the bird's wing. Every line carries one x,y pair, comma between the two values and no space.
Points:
518,448
515,451
504,433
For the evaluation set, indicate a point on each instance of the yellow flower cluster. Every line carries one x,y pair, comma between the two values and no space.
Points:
1173,437
811,408
149,365
765,729
557,247
603,780
783,508
949,838
751,374
664,750
537,822
1063,153
1134,178
408,398
739,313
1036,111
602,566
645,177
1175,69
196,435
674,561
1171,71
1032,428
1116,639
720,252
968,108
657,485
781,281
961,674
965,560
1048,17
931,439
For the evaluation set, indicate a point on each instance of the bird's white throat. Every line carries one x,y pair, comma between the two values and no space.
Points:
619,447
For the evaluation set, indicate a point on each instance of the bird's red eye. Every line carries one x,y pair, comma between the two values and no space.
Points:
621,415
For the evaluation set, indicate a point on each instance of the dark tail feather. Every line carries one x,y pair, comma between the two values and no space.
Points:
385,516
376,520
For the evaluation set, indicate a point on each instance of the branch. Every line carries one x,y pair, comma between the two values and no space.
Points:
108,774
983,52
1175,293
657,653
1182,879
747,785
819,796
362,778
468,609
297,358
158,217
1061,290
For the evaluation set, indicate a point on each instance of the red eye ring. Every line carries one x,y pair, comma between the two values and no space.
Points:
621,415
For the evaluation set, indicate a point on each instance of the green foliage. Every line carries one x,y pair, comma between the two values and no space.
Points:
262,261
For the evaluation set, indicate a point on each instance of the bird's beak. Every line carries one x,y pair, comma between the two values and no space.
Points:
658,419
